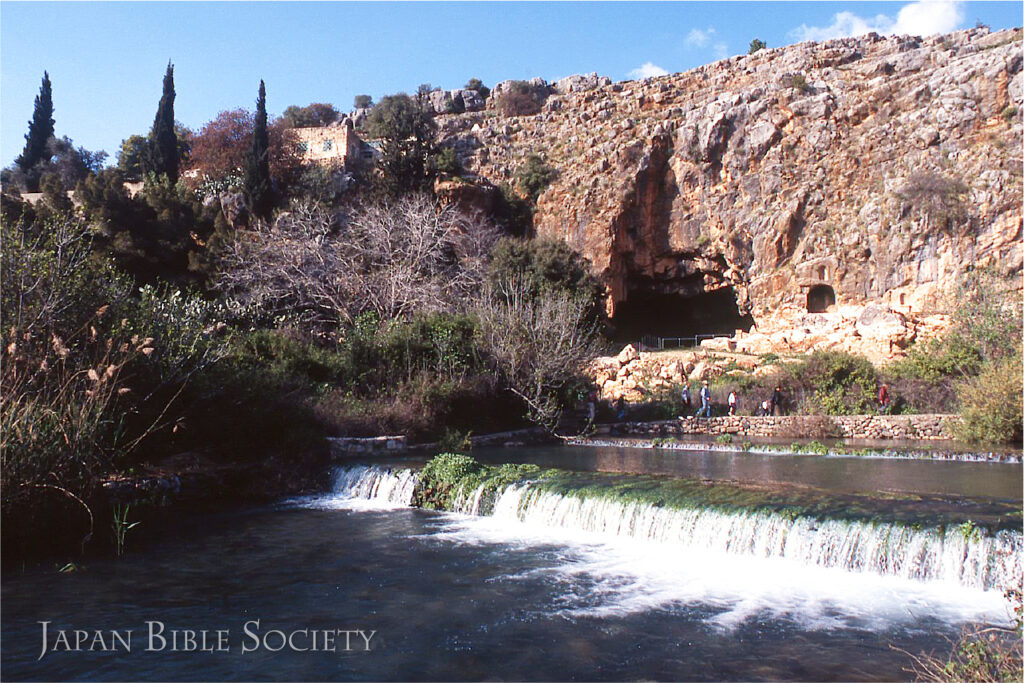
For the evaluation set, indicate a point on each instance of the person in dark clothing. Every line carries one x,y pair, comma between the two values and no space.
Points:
687,402
775,402
620,409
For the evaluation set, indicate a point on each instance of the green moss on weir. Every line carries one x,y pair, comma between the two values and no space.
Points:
448,478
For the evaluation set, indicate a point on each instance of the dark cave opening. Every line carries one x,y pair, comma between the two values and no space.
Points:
673,315
819,298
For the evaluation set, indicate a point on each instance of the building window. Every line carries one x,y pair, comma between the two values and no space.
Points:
328,145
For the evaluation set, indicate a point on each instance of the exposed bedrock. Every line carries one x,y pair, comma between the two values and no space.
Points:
855,171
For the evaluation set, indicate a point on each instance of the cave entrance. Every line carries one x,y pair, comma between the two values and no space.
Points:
673,315
819,298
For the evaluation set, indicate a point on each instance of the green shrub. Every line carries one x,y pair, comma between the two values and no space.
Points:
534,175
952,356
843,384
446,162
755,45
990,404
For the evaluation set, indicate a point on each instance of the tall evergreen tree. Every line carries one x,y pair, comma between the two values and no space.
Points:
258,188
163,141
40,130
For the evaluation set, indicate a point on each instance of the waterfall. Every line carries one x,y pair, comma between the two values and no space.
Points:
972,559
375,483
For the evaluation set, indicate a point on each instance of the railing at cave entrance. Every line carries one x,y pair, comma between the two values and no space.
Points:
652,343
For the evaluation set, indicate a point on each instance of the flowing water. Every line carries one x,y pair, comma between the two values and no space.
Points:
540,581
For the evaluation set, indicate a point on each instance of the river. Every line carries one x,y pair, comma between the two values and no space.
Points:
531,588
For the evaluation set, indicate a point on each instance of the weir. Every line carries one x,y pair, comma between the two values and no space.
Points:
961,555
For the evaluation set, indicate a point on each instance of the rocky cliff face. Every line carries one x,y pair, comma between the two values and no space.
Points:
847,172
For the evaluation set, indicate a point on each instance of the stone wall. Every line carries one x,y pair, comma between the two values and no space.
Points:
931,427
344,445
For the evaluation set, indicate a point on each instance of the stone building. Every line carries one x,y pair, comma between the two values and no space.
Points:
336,146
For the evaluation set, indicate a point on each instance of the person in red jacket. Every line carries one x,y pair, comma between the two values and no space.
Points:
883,398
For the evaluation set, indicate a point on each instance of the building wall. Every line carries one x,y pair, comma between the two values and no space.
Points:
330,145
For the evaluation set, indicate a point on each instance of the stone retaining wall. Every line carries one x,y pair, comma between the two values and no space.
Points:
938,427
345,445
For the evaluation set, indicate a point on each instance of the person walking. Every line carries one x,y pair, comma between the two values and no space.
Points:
732,402
685,395
705,401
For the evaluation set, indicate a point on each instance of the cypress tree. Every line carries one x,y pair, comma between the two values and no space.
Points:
163,141
40,130
257,168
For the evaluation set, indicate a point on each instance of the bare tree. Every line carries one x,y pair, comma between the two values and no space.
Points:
394,258
538,343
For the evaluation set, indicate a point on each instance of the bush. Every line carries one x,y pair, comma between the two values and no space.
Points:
990,404
939,197
546,265
842,384
522,98
799,82
90,373
934,359
534,175
446,163
755,45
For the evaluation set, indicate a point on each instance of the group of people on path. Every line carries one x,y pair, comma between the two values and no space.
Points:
768,407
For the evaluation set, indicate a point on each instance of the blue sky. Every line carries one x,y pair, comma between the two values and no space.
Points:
106,60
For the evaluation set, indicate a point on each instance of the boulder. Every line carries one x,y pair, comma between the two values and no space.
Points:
879,322
236,213
628,355
471,100
580,83
441,101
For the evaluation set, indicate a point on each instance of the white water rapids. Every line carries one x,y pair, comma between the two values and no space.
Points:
951,556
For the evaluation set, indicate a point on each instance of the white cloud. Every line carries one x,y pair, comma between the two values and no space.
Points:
648,70
924,18
721,50
699,38
920,18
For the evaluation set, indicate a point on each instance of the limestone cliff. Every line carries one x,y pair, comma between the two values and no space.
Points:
848,172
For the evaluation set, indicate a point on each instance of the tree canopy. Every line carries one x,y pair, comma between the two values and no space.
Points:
311,116
406,131
221,146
